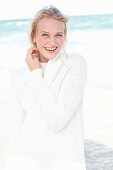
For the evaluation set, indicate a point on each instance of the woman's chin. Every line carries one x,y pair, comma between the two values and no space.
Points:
50,56
46,56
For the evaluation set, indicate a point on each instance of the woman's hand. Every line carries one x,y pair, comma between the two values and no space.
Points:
32,59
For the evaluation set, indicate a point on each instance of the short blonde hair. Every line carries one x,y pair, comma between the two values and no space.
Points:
46,12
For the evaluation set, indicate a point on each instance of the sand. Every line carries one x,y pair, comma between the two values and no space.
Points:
98,108
98,128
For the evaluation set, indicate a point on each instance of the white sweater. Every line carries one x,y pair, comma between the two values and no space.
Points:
48,114
43,67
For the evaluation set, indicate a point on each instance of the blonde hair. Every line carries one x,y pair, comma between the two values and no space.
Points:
46,12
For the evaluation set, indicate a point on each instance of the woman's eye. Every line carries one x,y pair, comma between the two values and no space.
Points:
59,35
45,35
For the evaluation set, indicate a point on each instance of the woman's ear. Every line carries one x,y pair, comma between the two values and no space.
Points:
34,40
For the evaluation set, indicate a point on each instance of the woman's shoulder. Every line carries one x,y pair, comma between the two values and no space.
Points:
75,59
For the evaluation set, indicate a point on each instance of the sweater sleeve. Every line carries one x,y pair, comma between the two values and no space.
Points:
16,110
58,112
15,116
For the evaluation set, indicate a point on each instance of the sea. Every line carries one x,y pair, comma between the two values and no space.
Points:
92,37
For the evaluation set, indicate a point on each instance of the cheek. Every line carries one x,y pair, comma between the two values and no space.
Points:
60,41
40,42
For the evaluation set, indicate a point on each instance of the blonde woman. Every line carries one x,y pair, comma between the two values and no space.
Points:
47,101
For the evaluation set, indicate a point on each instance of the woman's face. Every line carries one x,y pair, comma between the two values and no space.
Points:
50,37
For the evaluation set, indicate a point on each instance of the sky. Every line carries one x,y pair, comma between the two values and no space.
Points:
13,9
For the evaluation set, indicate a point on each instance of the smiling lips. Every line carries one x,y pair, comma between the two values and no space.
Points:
50,50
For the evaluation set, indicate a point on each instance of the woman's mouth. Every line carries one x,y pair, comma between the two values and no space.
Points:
50,50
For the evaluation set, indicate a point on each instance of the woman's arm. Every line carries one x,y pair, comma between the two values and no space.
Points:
16,111
58,112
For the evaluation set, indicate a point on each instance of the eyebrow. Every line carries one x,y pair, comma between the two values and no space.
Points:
48,32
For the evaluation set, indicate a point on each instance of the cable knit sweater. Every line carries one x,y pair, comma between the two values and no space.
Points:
47,107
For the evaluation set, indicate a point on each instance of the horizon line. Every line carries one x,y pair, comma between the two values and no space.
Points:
77,15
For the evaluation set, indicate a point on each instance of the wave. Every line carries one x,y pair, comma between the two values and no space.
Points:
88,36
89,22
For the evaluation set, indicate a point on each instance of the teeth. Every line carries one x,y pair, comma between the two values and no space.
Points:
51,49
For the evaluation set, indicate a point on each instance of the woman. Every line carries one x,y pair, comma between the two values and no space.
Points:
48,101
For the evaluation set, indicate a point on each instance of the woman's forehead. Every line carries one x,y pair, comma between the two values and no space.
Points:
48,24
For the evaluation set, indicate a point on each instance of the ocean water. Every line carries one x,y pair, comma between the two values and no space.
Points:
90,36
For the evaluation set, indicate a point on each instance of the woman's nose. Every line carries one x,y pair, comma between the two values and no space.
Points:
52,41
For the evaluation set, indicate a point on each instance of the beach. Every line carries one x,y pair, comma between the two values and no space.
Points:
98,129
95,44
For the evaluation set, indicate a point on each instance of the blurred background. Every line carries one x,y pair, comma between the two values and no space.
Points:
90,33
